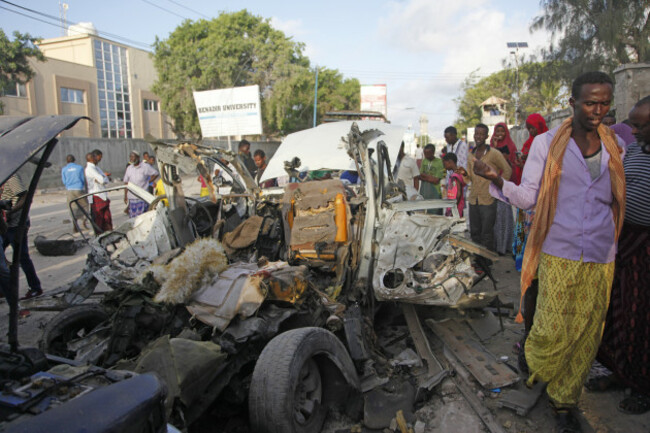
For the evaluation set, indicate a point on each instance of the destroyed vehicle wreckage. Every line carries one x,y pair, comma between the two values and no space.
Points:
265,297
39,392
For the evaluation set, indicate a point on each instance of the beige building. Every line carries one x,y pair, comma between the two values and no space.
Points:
88,75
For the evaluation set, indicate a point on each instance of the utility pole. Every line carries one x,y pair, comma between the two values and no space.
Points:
315,95
516,46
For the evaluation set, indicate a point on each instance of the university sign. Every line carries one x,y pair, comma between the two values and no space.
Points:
228,112
373,98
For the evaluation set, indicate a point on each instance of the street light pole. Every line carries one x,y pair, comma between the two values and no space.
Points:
516,46
315,95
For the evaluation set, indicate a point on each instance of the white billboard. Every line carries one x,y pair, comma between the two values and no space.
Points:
227,112
373,98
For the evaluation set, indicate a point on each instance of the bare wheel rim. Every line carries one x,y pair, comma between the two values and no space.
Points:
308,392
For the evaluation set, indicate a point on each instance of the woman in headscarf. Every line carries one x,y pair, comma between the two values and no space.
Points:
535,124
504,224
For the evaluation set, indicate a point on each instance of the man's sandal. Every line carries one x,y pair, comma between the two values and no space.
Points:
566,421
635,404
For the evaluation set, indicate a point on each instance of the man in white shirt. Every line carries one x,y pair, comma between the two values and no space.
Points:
141,175
456,146
406,170
97,180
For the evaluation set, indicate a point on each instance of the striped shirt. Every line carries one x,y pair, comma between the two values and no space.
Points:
13,189
637,183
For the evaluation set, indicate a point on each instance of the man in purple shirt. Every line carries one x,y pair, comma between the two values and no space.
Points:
576,261
141,175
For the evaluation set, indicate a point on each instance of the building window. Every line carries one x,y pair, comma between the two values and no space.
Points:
113,90
15,89
150,105
74,96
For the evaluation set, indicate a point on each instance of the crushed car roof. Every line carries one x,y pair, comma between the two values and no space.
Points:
22,138
322,148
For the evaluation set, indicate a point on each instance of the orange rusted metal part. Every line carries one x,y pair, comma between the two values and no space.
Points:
341,219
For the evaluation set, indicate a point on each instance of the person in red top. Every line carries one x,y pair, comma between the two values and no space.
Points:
535,124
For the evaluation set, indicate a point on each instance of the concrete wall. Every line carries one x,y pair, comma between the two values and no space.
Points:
519,134
632,84
115,155
76,49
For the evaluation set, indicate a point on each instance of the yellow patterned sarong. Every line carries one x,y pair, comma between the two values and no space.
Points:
568,325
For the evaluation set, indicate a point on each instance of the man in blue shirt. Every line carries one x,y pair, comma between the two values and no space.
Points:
74,180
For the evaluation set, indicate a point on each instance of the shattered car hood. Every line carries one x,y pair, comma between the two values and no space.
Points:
323,148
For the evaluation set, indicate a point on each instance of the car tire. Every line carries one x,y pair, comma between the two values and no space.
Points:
67,325
288,387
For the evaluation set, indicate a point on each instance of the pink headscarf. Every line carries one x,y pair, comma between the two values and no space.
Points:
506,146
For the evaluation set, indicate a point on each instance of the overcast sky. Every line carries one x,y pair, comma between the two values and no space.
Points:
421,49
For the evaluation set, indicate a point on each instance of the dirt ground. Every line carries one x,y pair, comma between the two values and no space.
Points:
445,410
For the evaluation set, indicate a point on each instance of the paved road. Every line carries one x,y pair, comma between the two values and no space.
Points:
50,217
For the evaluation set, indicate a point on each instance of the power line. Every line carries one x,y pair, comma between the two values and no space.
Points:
437,77
370,71
57,24
189,9
28,16
164,9
380,76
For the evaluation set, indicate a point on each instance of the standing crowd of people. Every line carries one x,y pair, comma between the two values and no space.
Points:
78,182
580,238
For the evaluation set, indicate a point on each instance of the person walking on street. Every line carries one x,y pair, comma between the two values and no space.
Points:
14,194
431,173
74,180
625,348
482,206
574,177
100,205
141,175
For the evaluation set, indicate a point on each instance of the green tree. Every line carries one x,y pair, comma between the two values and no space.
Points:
14,60
595,34
293,105
239,49
541,90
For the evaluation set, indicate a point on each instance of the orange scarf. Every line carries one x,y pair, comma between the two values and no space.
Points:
547,197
